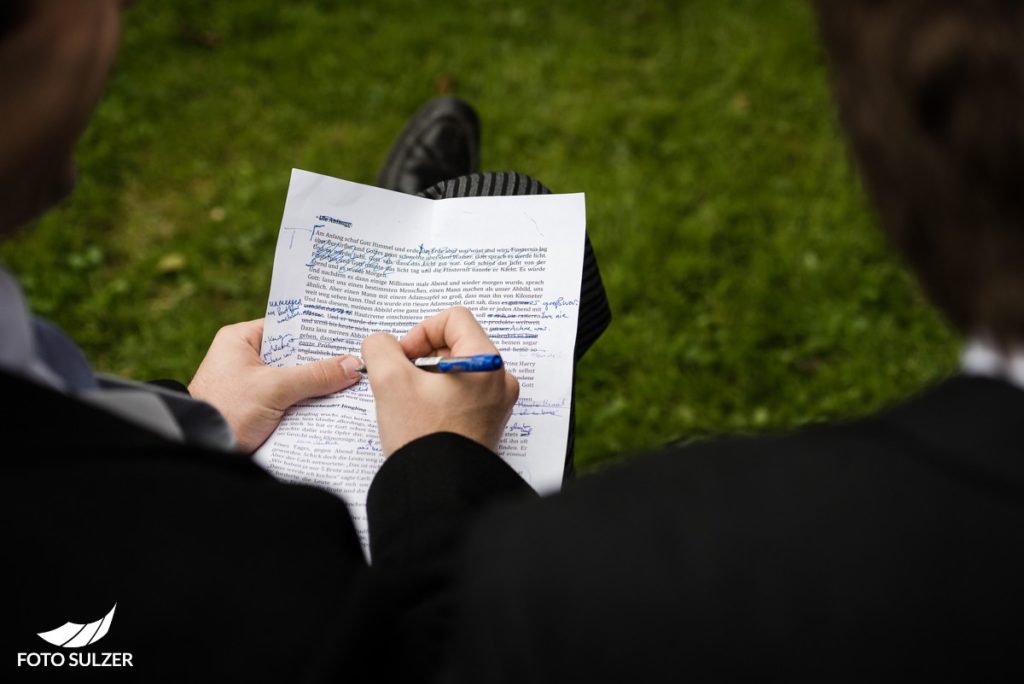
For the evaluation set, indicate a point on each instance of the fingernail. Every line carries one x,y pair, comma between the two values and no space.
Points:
349,364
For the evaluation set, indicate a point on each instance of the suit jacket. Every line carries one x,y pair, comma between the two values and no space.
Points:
215,567
218,571
894,544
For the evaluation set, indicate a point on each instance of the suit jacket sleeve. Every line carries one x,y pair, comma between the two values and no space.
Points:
426,494
420,506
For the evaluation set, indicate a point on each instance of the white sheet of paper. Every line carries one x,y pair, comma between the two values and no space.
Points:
353,259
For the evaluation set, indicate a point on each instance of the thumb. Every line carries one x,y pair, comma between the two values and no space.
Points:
316,379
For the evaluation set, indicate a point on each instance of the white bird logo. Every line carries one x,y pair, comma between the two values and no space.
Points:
74,635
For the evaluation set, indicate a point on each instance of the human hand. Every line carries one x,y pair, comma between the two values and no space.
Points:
253,396
413,403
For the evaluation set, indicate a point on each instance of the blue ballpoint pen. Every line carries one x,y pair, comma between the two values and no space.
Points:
455,364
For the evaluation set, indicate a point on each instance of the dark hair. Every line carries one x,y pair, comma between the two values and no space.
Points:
931,93
12,14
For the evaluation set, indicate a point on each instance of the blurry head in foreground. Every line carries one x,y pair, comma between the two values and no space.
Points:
931,93
54,59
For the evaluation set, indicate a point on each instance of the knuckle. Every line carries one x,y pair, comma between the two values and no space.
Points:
320,374
512,388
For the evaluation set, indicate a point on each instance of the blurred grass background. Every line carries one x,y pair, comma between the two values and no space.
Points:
751,290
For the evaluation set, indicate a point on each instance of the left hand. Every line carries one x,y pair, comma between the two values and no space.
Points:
253,396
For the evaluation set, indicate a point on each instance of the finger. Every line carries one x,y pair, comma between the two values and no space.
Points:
385,359
316,379
455,328
250,332
415,344
511,388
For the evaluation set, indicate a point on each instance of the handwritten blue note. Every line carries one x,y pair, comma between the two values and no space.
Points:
283,310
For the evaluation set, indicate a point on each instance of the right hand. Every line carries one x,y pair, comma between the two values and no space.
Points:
413,403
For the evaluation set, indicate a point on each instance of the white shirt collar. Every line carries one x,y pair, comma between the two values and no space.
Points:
982,357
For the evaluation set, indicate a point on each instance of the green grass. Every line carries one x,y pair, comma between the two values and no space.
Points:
750,287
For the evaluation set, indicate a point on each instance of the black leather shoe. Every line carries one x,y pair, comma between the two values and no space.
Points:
440,142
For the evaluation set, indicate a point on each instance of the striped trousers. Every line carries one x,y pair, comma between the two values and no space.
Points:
594,312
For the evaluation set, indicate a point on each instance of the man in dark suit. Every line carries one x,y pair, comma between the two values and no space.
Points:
138,542
888,546
127,511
